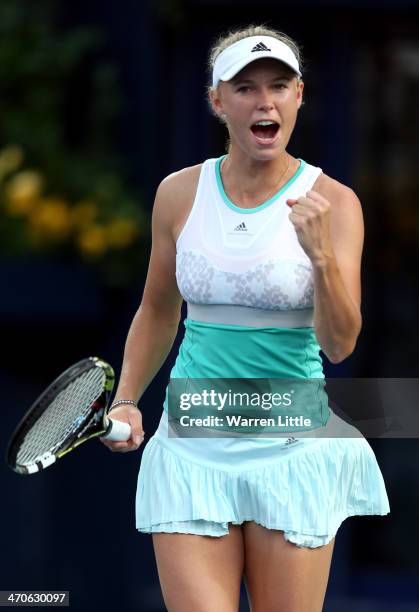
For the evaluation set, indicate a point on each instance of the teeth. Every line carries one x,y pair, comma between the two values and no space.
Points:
265,123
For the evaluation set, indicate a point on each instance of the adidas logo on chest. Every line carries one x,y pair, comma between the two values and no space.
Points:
241,229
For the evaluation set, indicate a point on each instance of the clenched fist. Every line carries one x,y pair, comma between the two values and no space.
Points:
310,216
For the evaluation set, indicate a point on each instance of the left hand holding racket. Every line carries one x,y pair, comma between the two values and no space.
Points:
72,410
131,415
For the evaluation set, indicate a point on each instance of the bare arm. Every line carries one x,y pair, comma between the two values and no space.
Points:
330,228
148,344
337,280
155,324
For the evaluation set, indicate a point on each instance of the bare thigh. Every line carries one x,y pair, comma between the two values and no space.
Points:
280,576
200,573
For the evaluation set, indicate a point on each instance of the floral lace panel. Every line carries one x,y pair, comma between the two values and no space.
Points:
275,284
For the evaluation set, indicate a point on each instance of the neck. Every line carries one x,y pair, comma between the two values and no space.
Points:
250,182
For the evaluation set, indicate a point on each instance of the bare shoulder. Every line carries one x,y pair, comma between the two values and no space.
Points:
175,196
342,198
346,218
181,182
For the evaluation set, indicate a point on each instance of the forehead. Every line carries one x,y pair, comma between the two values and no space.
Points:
265,67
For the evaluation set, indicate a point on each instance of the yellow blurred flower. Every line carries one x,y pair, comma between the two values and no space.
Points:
121,233
50,220
22,192
83,213
11,158
92,241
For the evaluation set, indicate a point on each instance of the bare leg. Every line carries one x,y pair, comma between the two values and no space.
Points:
282,577
200,573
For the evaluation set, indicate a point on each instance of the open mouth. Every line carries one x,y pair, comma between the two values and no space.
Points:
266,130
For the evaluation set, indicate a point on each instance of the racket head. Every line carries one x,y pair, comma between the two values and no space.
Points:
71,410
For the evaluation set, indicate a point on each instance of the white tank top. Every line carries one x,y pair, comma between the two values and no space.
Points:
244,257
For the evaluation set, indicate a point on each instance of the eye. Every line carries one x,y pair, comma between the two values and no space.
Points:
280,86
243,89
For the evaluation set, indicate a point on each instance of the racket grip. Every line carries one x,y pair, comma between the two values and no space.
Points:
118,431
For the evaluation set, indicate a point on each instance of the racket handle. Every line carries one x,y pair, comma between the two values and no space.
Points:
118,431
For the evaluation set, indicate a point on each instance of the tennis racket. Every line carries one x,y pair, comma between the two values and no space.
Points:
70,411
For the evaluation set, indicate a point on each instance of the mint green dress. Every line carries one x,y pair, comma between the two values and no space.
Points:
244,323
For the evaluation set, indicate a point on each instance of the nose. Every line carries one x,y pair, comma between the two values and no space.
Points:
265,102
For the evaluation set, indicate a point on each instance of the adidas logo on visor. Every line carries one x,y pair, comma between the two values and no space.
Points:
260,47
241,227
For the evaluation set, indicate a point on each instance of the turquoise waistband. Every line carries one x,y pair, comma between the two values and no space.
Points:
216,350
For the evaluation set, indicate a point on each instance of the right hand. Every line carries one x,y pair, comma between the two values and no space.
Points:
127,414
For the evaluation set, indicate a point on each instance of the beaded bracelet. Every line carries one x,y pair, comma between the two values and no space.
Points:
120,402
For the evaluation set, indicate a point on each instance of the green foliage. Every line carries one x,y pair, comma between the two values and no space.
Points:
62,187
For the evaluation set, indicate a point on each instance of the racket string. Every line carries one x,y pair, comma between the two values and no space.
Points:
64,415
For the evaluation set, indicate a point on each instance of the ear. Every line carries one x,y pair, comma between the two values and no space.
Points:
216,100
300,88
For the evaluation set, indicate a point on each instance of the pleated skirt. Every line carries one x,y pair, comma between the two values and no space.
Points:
304,485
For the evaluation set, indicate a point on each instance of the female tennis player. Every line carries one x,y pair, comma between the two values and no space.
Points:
265,248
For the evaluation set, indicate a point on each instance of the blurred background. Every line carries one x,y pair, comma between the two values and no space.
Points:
99,101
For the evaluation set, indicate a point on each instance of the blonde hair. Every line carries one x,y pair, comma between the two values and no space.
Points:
232,36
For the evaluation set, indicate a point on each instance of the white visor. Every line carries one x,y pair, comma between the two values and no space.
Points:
247,50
